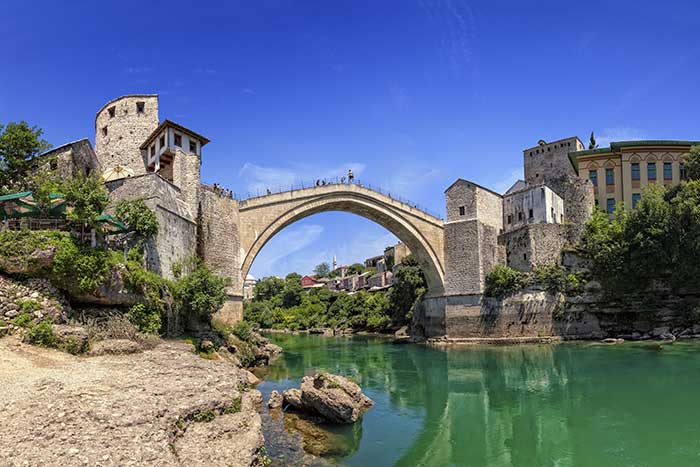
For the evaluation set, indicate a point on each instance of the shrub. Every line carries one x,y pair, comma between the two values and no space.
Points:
553,278
87,196
41,334
145,318
73,346
504,281
200,293
22,320
243,331
204,416
29,306
79,268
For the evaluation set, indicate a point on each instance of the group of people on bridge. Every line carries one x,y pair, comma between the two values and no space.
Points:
351,177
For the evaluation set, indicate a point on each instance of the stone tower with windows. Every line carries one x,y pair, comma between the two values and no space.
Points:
121,126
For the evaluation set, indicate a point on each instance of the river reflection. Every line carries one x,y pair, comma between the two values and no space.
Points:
548,405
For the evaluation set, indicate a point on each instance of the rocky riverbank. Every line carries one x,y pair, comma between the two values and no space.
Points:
165,406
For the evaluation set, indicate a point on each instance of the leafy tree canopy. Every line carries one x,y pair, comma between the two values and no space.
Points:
138,217
19,143
692,163
322,270
87,196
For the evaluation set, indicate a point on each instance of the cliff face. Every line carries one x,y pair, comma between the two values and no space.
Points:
533,313
165,407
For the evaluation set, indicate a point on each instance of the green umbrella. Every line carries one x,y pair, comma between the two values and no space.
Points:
111,225
17,205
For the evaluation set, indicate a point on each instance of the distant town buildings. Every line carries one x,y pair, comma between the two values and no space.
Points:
378,274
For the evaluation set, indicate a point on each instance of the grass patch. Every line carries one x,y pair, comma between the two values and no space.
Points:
205,416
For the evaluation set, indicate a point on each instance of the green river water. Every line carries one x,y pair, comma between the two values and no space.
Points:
579,404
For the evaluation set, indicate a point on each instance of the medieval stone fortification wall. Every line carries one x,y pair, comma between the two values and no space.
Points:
534,245
220,248
121,126
177,234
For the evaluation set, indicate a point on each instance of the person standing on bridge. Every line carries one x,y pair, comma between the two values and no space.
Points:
351,177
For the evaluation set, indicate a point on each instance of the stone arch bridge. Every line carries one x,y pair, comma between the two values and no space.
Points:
454,255
264,216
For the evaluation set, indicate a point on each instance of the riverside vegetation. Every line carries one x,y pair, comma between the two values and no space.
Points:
283,303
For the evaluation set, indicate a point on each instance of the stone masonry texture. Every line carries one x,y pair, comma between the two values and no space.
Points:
121,128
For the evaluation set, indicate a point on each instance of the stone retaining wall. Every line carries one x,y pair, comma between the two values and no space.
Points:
536,313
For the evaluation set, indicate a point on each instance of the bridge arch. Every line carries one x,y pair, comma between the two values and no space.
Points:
263,217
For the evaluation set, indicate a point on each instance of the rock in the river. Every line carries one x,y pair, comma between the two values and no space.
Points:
292,397
275,401
319,439
334,397
612,340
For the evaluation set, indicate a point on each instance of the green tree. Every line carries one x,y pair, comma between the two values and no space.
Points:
356,268
139,218
692,163
200,293
591,143
268,288
322,270
409,286
503,280
86,196
292,291
19,144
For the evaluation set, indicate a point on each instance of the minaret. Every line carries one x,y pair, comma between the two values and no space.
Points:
335,263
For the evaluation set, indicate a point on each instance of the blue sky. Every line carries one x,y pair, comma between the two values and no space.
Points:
412,94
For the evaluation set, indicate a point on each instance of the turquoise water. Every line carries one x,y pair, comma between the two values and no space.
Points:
530,405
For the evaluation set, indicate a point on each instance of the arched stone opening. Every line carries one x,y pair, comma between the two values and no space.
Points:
420,232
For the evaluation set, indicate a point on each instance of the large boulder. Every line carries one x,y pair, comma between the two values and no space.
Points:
335,398
34,263
292,398
114,290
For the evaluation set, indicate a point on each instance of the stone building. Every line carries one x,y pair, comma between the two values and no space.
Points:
69,160
620,172
531,205
395,254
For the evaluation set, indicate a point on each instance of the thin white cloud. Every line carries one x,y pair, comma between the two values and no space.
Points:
457,24
274,258
248,91
408,181
623,133
258,179
502,185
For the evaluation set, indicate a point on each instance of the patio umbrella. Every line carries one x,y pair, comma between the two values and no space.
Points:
110,225
17,205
